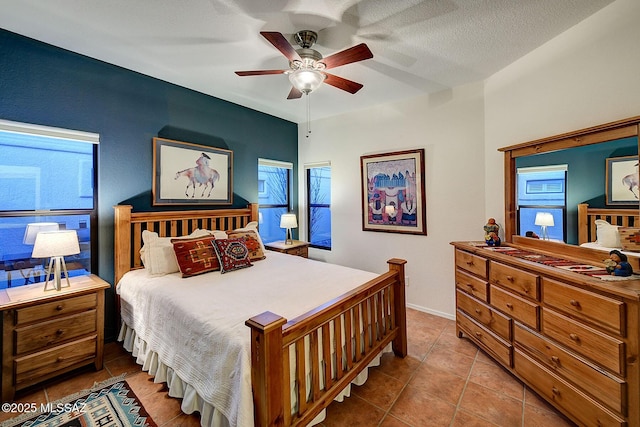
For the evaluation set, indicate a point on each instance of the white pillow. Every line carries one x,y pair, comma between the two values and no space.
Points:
157,252
607,235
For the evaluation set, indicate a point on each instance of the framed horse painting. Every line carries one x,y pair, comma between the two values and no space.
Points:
393,193
186,173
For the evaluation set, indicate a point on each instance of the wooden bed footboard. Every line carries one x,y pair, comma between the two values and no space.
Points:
334,343
616,216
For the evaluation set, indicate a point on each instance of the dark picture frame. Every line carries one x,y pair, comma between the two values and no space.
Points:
622,180
186,173
393,192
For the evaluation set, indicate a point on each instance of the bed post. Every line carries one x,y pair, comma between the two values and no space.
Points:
121,241
267,368
400,341
254,211
583,223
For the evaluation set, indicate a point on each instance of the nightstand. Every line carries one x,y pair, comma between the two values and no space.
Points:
298,248
47,333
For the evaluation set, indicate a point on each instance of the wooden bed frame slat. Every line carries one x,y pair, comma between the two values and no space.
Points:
369,318
616,216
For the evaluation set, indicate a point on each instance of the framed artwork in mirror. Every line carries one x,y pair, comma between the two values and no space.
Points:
622,180
186,173
393,192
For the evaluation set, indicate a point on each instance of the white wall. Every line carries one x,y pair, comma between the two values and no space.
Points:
587,76
449,126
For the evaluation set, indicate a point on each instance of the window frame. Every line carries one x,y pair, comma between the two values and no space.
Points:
308,168
289,190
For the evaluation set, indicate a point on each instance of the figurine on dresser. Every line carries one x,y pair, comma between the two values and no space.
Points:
492,233
621,266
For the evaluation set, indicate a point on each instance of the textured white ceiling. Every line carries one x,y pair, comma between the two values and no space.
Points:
419,46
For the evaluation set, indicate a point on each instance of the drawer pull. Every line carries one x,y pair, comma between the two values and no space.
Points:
555,359
510,278
555,391
509,306
470,286
60,359
469,263
59,307
60,332
478,311
574,337
479,334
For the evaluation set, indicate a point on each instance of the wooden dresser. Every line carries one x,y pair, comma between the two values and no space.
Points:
45,334
298,248
570,337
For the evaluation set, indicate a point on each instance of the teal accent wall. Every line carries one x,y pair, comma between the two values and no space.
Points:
46,85
586,171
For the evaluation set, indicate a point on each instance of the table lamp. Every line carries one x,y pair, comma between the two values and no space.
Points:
56,244
544,220
34,228
288,221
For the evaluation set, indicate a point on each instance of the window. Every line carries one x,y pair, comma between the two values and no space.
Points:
274,197
542,189
319,205
47,175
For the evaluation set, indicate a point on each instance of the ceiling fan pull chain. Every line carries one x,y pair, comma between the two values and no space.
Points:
308,115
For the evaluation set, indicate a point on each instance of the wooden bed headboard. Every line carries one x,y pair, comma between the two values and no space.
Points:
129,225
616,216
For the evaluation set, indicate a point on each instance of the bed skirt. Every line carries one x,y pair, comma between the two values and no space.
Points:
191,400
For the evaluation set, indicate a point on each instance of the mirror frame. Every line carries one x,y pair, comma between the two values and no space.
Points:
625,128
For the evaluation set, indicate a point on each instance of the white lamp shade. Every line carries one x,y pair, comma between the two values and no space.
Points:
544,218
306,80
56,243
288,221
34,228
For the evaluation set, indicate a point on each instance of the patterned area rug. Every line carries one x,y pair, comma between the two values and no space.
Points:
109,404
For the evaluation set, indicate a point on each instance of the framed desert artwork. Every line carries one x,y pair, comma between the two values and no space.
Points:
186,173
622,180
393,192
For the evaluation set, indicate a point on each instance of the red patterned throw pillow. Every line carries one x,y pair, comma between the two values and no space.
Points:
232,254
195,256
251,241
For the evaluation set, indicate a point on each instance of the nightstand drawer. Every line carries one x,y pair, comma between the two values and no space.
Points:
303,252
606,312
514,306
519,281
55,308
46,334
597,346
31,369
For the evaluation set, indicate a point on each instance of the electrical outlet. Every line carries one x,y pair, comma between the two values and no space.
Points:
406,280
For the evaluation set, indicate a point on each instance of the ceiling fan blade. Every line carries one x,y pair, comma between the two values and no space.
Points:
281,43
347,56
342,83
259,72
294,94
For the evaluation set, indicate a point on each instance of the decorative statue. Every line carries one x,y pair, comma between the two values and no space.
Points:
621,267
491,233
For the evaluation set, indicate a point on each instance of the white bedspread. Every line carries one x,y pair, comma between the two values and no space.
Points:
196,324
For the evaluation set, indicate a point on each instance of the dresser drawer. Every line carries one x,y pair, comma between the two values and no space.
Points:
603,349
556,390
472,285
55,308
605,312
499,348
522,282
605,387
31,369
514,306
484,315
472,263
46,334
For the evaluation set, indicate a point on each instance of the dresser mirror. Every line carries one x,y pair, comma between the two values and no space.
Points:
586,151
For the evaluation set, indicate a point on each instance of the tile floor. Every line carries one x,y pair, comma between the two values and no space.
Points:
444,381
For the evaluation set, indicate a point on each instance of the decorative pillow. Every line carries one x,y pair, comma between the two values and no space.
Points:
630,238
252,241
607,235
218,234
253,226
195,256
232,254
157,252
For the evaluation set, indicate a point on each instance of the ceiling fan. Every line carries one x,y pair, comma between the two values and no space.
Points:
307,66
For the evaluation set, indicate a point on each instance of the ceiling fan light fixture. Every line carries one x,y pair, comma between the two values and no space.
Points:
306,80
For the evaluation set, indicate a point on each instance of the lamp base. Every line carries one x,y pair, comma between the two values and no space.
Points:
544,234
288,240
55,263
